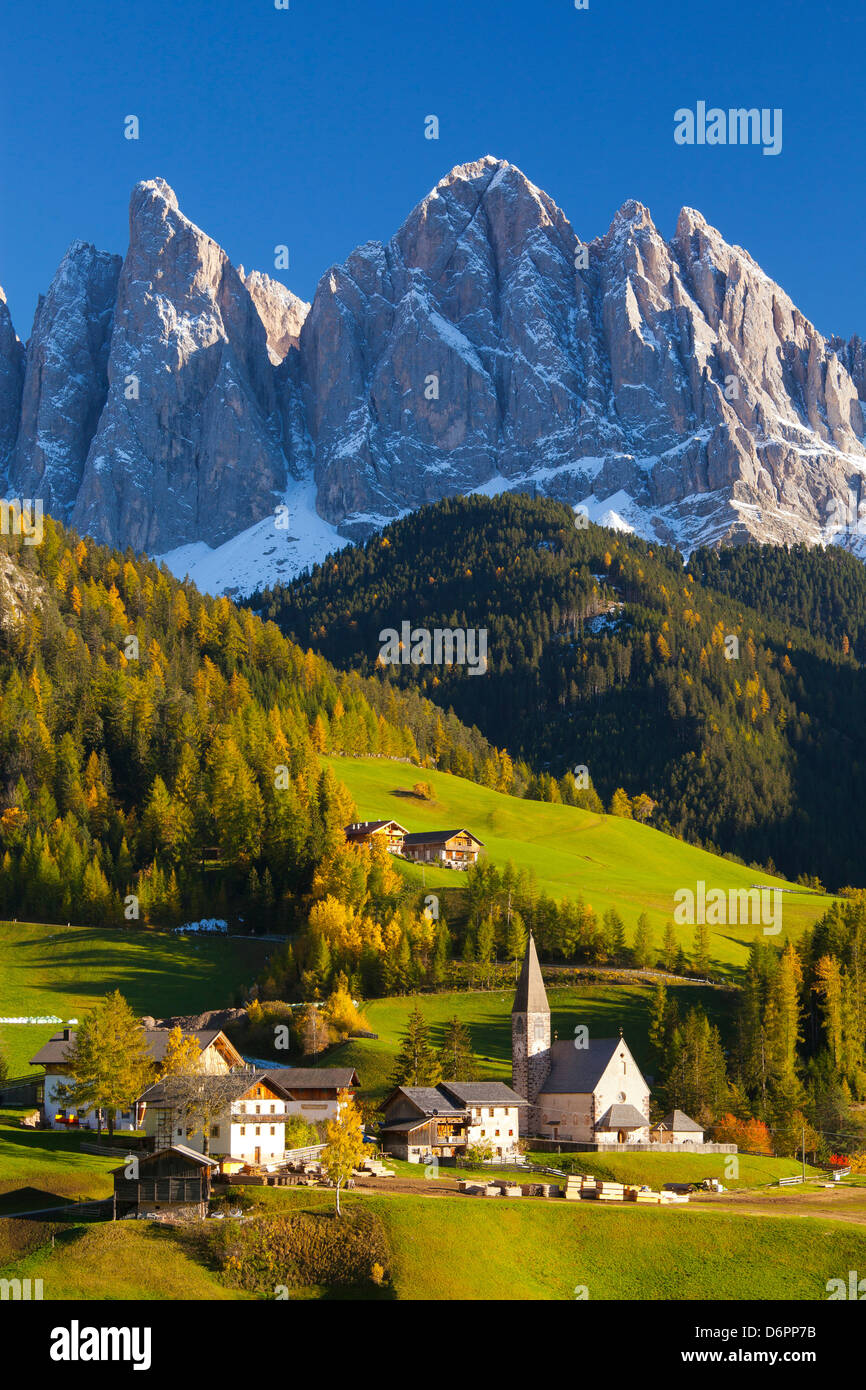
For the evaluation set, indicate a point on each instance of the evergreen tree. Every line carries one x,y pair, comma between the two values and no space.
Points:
456,1058
642,950
109,1063
417,1063
669,949
613,931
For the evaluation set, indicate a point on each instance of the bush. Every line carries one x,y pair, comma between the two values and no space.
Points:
300,1134
236,1197
303,1250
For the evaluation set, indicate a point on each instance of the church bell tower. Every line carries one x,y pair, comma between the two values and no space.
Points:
530,1034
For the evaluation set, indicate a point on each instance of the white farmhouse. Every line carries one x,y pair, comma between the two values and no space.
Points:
313,1092
216,1055
426,1122
249,1126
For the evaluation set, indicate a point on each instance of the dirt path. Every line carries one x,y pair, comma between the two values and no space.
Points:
837,1204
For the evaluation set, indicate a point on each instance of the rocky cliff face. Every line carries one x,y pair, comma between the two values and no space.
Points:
670,386
11,383
187,446
667,386
281,312
66,379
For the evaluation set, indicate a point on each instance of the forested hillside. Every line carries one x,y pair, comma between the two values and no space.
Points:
740,717
823,591
159,750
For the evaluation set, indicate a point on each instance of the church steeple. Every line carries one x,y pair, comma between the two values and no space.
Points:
531,996
530,1034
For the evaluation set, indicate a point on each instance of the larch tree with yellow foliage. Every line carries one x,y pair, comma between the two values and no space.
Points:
344,1148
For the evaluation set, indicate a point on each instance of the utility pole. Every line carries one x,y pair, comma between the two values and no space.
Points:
804,1153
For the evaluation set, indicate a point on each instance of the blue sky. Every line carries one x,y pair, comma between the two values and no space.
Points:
306,126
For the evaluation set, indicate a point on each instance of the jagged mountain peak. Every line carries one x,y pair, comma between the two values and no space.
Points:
149,193
282,312
665,385
632,214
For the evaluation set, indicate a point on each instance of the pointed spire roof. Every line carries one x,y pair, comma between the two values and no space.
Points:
531,996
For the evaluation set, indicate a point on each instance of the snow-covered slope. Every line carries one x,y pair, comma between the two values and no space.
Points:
272,551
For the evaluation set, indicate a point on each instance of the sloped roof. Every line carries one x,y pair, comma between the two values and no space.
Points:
404,1126
428,1100
233,1085
678,1119
191,1155
622,1117
314,1078
531,996
482,1093
368,827
422,837
577,1070
59,1044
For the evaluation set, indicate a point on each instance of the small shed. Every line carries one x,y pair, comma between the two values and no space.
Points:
677,1128
176,1176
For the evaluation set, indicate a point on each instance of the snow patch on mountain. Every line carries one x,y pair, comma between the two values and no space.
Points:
263,555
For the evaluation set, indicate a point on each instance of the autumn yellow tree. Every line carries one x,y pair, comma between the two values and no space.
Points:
182,1053
344,1148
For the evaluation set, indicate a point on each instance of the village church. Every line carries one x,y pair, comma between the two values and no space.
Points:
594,1094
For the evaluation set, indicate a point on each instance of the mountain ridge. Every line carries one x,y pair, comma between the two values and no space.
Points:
665,387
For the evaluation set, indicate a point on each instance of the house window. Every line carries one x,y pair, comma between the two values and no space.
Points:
273,1130
258,1130
497,1134
273,1110
490,1112
511,1134
243,1129
180,1134
214,1131
258,1110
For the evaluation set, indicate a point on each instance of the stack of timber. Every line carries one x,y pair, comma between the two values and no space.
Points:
377,1168
611,1192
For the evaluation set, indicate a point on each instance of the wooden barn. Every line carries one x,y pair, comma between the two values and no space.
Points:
453,849
172,1177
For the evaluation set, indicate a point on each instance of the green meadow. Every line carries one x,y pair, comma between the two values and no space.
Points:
37,1166
51,971
639,1169
531,1249
603,1008
608,861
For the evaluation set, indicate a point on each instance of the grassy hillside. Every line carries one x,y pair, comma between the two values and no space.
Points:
491,1250
47,1164
60,971
650,1169
611,862
603,650
549,1250
656,1169
604,1009
122,1261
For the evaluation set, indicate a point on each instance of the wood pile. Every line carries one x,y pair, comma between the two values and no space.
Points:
586,1188
377,1168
